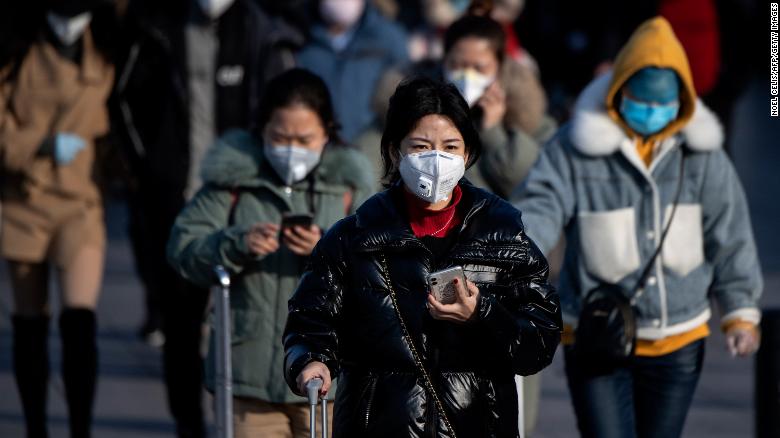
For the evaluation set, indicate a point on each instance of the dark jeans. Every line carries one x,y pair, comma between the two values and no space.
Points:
647,398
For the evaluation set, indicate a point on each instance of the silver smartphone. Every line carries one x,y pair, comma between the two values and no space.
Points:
441,284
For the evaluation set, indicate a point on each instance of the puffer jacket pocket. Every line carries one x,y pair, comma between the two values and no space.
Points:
684,246
608,243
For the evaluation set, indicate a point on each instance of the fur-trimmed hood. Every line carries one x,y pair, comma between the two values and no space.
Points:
237,159
593,132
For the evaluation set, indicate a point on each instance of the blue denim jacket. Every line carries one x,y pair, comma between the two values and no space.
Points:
591,184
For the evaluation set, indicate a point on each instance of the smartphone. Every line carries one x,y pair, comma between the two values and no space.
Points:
441,284
299,219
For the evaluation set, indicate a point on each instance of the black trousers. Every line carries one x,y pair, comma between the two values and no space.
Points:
181,304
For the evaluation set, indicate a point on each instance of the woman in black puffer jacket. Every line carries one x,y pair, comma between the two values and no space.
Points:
409,365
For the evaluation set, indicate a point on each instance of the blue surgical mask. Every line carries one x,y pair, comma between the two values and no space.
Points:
648,118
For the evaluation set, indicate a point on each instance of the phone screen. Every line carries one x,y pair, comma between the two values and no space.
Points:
302,220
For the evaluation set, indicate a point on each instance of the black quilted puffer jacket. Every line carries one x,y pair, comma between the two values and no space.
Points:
342,315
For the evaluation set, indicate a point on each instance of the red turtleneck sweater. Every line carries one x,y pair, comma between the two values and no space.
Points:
433,223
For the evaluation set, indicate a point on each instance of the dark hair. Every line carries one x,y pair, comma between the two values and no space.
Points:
477,26
414,99
299,86
21,24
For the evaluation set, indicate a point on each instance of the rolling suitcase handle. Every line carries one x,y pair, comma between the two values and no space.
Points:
313,391
224,369
519,384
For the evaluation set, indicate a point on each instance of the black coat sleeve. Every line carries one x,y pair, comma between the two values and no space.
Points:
524,320
315,308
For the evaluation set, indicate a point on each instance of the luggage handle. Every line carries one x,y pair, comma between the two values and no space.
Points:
313,387
224,370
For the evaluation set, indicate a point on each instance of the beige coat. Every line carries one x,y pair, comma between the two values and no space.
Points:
50,94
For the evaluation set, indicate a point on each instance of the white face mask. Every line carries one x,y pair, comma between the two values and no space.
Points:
471,83
214,8
291,163
432,175
68,29
344,13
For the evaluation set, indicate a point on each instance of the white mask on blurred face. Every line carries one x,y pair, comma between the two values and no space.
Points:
291,163
471,83
432,175
214,8
68,29
343,13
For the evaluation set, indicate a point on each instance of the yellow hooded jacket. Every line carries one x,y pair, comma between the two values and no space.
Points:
653,44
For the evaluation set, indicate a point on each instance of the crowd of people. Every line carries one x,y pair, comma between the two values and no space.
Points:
331,155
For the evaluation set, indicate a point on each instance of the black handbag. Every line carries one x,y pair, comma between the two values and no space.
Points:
606,332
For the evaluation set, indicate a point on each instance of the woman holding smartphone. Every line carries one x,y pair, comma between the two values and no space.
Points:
268,196
407,364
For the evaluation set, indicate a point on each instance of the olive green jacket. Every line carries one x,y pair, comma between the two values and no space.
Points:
241,189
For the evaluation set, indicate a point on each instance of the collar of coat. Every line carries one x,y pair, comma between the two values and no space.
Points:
237,160
594,133
491,230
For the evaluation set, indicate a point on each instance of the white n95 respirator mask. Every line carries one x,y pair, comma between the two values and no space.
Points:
215,8
68,29
471,83
291,163
432,175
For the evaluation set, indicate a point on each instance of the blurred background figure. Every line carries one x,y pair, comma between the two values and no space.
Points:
295,163
642,147
507,101
190,70
350,46
575,46
56,74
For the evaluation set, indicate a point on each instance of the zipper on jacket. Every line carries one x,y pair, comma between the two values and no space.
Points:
370,390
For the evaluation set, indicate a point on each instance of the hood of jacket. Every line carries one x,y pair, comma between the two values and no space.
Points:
653,44
594,132
597,127
237,160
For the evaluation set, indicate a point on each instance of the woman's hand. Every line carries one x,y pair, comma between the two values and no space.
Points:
313,370
302,240
743,340
261,239
493,104
462,309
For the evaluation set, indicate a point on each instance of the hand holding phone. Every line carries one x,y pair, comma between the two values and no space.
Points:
261,239
299,233
452,297
297,219
441,284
